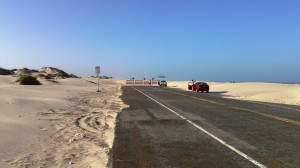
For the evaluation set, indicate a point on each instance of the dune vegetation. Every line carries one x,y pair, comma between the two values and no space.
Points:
5,71
27,80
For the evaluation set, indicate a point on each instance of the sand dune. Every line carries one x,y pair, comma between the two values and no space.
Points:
264,92
57,124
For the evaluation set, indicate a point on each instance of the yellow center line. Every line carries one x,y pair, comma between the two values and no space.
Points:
269,116
237,108
208,101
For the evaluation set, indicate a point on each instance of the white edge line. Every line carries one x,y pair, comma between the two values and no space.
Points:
208,133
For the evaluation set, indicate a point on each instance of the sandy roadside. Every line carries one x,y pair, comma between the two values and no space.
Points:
253,91
63,124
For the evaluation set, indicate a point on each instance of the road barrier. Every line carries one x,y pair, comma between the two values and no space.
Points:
142,82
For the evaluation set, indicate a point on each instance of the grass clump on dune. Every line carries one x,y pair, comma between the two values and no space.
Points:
5,71
60,76
73,76
28,80
25,71
42,76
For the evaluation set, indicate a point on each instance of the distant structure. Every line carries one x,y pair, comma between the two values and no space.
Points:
149,82
102,77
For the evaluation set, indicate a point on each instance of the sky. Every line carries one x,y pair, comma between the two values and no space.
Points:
208,40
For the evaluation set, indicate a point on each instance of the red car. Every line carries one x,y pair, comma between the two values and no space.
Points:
201,86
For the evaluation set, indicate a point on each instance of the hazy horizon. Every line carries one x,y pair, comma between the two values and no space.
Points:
208,40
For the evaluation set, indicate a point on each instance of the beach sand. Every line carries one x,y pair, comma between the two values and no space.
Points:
253,91
66,123
58,124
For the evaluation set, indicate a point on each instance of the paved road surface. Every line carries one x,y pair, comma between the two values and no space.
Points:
166,127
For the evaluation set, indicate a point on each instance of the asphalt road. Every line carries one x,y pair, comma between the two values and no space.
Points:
165,127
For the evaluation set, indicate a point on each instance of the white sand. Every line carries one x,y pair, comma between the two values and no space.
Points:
64,124
263,92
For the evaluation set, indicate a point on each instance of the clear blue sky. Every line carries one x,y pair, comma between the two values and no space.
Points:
210,40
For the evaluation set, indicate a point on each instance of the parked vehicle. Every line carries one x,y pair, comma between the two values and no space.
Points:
163,83
199,86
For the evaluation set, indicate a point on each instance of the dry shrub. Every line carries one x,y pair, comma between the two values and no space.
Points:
28,80
5,71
